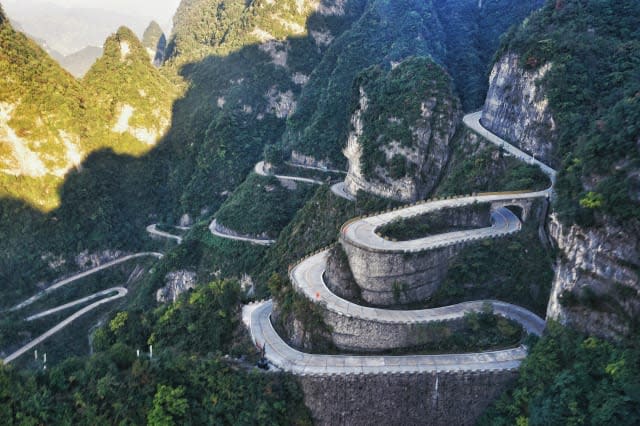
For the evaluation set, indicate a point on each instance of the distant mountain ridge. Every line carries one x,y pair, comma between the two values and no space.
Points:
68,30
49,121
80,62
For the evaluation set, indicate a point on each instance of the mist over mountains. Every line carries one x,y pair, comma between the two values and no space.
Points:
69,30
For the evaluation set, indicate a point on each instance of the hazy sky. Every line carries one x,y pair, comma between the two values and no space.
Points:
161,10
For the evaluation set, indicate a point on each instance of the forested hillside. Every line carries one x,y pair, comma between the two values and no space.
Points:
594,98
86,165
75,175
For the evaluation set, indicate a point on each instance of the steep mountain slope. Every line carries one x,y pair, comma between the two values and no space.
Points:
401,126
133,97
580,109
252,64
63,188
387,33
51,122
42,115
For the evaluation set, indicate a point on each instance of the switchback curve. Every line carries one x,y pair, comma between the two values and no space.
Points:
154,231
307,277
120,293
84,274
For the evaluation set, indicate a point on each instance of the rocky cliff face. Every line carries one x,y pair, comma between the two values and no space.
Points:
399,141
176,283
596,286
516,108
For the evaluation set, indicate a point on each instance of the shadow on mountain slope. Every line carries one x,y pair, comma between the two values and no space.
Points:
235,105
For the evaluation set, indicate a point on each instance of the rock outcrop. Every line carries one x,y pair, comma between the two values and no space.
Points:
517,110
176,283
86,260
596,284
401,127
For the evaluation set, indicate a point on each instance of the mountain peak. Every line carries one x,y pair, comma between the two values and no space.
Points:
152,35
155,42
125,45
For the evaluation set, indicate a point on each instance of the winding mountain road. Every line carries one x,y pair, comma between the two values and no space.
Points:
84,274
307,278
320,169
120,293
283,356
219,231
154,231
472,121
259,169
362,232
339,190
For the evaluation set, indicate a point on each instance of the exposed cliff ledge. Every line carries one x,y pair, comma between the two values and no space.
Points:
596,288
517,110
401,125
176,283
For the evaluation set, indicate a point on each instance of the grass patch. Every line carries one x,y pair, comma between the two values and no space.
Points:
437,222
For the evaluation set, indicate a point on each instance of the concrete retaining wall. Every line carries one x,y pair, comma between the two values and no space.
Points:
403,400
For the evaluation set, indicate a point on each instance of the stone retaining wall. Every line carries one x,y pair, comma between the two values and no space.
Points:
387,279
403,400
360,335
390,278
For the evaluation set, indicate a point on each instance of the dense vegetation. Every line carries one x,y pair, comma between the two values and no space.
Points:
59,121
315,226
479,166
262,205
239,99
188,381
480,331
240,92
572,379
594,100
155,41
484,270
437,222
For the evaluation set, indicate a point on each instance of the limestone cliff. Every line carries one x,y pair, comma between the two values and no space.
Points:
401,125
516,108
155,42
596,287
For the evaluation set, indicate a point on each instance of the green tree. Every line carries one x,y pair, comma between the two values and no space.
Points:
169,407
